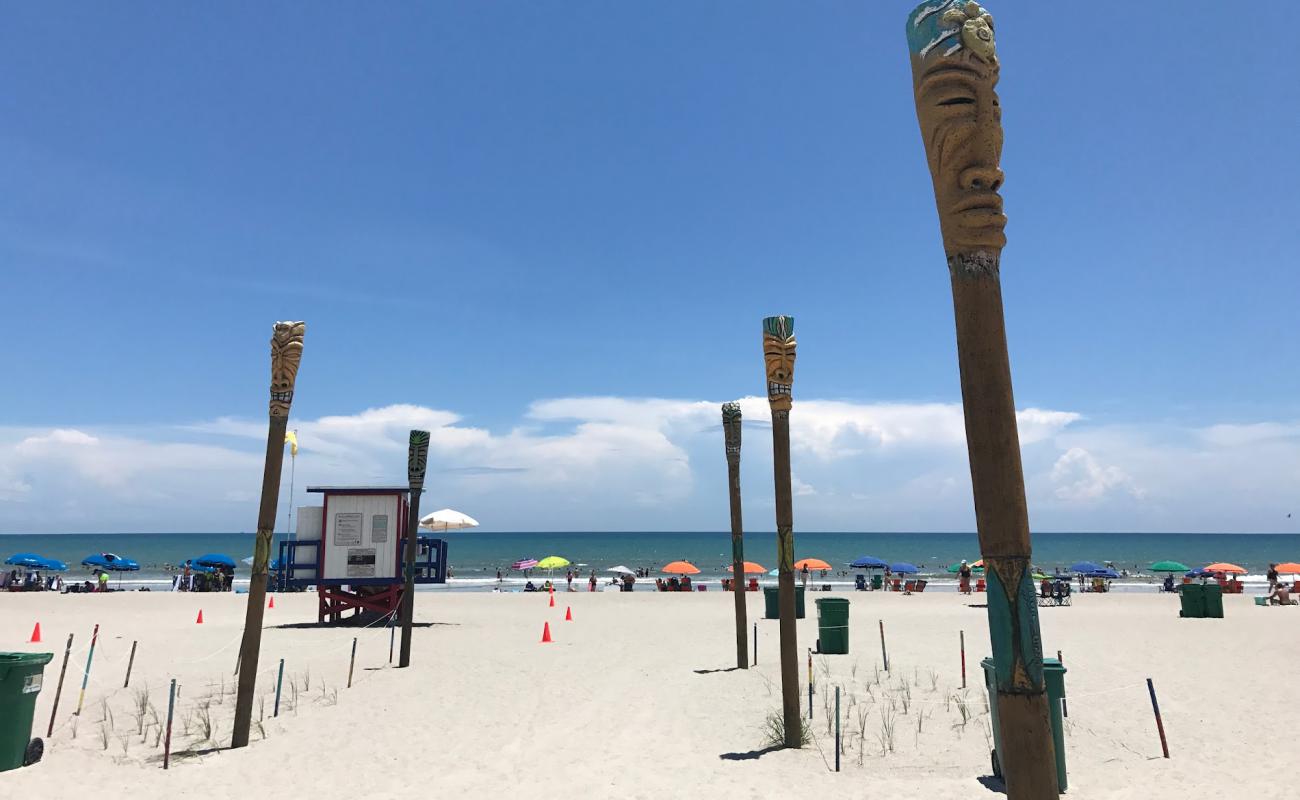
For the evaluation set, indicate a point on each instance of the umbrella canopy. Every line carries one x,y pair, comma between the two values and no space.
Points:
869,562
215,560
681,568
620,569
110,561
552,562
1085,567
524,563
978,566
1169,566
1196,573
446,519
903,568
1109,574
811,563
750,567
203,568
1224,566
30,560
1289,568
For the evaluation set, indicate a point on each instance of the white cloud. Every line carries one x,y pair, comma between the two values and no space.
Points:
657,464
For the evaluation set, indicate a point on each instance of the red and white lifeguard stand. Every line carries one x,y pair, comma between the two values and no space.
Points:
351,549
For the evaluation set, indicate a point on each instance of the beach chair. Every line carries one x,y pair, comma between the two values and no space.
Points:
920,586
860,583
897,583
1061,593
908,587
753,584
979,585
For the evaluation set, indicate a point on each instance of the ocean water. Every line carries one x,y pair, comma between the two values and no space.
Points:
476,556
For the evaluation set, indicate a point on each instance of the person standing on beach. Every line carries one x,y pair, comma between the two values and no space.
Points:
568,575
964,573
1272,576
803,576
591,582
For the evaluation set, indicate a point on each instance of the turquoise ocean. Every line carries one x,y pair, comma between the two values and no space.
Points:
475,556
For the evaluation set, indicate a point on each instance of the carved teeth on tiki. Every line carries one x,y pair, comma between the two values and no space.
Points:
286,356
779,356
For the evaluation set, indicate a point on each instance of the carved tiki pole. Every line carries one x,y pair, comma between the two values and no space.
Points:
731,435
417,458
778,356
286,355
954,77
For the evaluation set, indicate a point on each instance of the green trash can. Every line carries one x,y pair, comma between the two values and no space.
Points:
21,676
1192,597
1054,678
1213,600
833,625
877,582
771,603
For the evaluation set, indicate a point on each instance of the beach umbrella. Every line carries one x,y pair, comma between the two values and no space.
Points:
1109,574
1085,567
903,568
447,519
553,562
215,560
620,569
811,563
111,562
1196,573
1169,566
1224,566
978,566
681,568
869,562
750,568
29,560
524,563
1289,568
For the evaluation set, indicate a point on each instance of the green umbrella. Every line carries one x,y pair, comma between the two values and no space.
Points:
955,568
1169,566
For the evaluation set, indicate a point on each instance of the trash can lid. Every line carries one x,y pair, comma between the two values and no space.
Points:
832,601
25,659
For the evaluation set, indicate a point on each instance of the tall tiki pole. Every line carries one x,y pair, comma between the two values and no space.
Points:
731,435
778,356
286,355
417,459
955,73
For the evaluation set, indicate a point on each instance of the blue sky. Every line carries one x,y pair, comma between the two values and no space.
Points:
493,214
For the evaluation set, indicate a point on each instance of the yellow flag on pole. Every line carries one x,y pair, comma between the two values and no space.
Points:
291,439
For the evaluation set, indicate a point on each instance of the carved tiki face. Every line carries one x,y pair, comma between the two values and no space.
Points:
286,355
731,428
954,77
417,458
778,355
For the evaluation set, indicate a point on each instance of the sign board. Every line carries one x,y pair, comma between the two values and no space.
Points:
359,542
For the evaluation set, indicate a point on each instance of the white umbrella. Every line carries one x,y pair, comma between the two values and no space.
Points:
447,520
621,569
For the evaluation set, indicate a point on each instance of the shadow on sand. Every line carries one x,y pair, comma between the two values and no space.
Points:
348,623
993,784
711,671
752,755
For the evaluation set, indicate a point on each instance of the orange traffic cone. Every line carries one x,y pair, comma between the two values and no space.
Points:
568,614
271,603
552,601
546,632
36,634
199,621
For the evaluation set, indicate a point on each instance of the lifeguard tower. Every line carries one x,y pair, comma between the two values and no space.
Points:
351,548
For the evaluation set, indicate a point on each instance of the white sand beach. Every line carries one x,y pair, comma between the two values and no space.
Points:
635,699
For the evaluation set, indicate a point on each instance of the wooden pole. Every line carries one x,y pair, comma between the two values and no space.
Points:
731,424
130,662
837,729
755,644
171,709
963,659
279,681
778,358
392,634
58,692
884,654
1065,707
352,662
286,355
417,459
85,678
953,55
1160,725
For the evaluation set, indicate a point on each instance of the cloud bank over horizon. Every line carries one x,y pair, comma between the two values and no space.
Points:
613,463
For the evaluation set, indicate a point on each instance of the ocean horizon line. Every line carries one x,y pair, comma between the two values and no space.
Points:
482,532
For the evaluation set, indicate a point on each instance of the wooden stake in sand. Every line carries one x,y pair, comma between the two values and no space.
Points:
731,438
837,729
1065,707
755,644
1160,725
417,459
286,355
963,658
392,634
279,681
58,692
954,78
129,663
778,359
884,654
85,678
352,662
171,709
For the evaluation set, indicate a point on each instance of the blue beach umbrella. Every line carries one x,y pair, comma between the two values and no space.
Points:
903,568
1109,574
54,565
29,560
215,560
1085,567
868,562
111,562
1198,572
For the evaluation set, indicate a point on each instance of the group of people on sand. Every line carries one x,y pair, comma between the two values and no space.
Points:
1278,594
